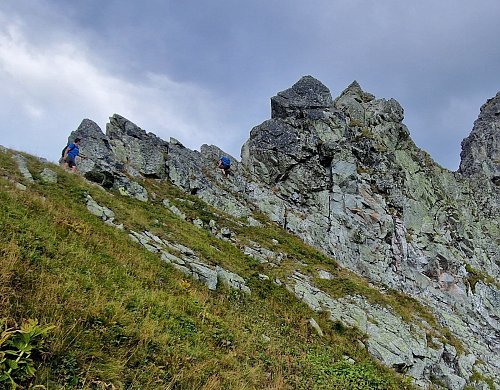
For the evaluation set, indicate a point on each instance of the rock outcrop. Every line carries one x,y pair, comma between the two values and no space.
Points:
344,175
481,149
480,156
348,179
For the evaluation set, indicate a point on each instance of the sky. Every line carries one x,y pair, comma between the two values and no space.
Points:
203,72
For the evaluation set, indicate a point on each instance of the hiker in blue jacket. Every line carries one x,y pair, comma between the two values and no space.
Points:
224,164
71,153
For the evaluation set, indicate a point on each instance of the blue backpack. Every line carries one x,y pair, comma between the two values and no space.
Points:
66,147
225,161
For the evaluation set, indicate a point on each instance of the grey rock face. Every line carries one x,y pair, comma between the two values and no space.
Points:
196,173
481,149
232,280
188,263
93,142
144,152
99,166
305,95
352,183
104,163
107,215
131,188
22,165
263,255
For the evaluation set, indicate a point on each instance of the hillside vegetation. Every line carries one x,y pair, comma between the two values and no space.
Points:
112,315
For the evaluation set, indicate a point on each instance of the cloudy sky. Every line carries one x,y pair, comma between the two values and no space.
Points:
204,71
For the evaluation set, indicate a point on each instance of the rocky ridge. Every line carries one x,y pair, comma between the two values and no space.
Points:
344,175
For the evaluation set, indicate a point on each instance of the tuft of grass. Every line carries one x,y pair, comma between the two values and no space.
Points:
474,276
478,377
355,123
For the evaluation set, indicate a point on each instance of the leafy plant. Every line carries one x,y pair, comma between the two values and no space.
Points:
360,376
357,376
16,349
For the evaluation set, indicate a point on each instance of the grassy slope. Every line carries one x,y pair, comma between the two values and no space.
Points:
124,318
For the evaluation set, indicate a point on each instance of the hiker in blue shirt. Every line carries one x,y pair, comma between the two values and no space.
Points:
71,153
224,164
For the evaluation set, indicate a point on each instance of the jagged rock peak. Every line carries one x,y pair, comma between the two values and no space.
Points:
122,124
481,149
306,94
490,111
354,90
94,141
89,126
88,129
361,108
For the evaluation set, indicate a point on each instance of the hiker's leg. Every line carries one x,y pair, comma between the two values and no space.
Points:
70,162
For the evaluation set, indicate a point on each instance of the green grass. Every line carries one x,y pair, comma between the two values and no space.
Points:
124,318
478,377
475,276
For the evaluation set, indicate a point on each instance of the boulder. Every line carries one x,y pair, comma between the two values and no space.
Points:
307,95
22,165
48,176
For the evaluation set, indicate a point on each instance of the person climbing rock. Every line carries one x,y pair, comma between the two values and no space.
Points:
224,164
71,152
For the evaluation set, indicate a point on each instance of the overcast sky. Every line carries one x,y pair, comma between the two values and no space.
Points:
204,71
